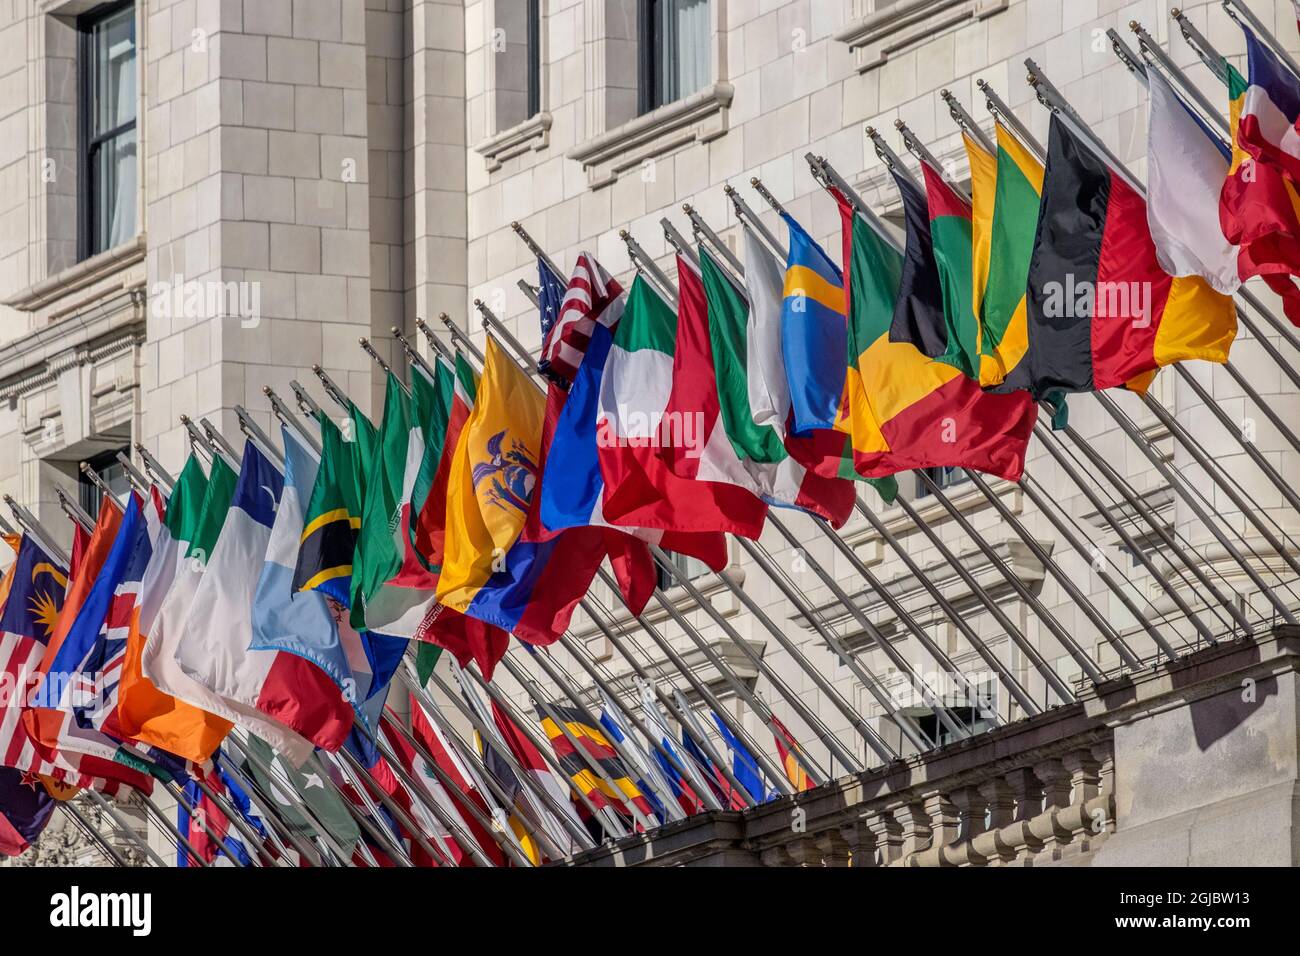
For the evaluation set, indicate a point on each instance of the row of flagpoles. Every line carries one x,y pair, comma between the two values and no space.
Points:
536,822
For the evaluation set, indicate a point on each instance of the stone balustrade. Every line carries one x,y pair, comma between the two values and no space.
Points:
1077,785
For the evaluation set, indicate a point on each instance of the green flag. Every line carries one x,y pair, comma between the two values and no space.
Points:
378,553
290,788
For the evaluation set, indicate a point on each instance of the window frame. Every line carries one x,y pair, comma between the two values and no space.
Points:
87,142
646,56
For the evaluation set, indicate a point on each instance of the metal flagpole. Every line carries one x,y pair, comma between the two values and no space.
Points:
361,775
383,835
183,844
1239,12
90,831
121,823
201,818
277,831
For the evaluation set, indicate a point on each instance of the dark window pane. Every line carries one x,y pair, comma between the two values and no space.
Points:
109,167
677,58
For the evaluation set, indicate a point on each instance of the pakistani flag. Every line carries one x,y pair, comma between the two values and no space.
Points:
290,787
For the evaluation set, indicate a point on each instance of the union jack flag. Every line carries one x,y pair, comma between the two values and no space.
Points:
592,296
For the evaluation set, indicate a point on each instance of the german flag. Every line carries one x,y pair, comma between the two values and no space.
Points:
1101,312
333,517
904,410
598,747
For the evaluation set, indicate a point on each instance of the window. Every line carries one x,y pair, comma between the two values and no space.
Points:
674,50
107,112
111,472
690,568
534,58
945,476
974,708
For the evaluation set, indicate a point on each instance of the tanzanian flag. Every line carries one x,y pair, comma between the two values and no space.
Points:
1101,311
905,410
333,517
934,311
1005,191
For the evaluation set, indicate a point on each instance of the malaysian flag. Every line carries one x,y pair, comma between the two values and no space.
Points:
34,589
591,296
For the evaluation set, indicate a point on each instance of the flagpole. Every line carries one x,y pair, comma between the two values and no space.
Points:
359,773
139,481
277,830
183,844
122,825
392,842
89,830
1239,12
153,467
967,122
199,817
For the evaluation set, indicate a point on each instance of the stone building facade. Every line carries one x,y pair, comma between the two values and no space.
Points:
307,172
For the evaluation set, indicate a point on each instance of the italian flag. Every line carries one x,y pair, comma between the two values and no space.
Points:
632,430
711,383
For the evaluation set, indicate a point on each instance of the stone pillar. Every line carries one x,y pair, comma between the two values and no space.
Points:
256,182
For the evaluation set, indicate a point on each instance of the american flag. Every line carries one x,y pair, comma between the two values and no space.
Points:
592,296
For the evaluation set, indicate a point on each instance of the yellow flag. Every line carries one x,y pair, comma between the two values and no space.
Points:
493,475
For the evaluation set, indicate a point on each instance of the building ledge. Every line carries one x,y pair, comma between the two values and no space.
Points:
533,134
877,36
697,118
77,277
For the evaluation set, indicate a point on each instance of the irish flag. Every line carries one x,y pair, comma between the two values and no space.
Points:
636,391
711,382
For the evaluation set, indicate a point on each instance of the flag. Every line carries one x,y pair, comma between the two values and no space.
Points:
25,809
1005,191
636,421
432,395
726,794
89,661
225,675
1259,208
904,410
1102,313
310,624
599,749
813,338
787,747
744,767
35,590
291,789
710,383
143,711
456,387
934,311
467,791
1186,170
823,451
550,302
681,772
490,572
650,778
592,296
216,831
187,616
44,719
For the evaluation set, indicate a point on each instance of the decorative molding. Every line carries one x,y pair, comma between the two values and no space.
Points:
532,134
82,275
698,118
876,36
968,500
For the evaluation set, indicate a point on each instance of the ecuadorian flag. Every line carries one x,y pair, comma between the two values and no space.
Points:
489,573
